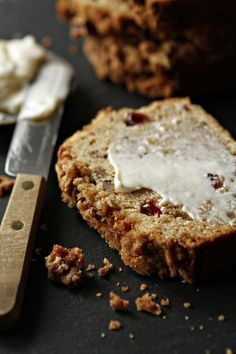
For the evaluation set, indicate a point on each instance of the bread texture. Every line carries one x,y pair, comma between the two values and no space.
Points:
173,245
162,69
158,48
159,19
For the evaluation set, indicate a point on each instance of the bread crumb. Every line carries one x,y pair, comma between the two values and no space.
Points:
107,268
164,317
120,269
124,289
154,296
73,49
192,328
118,283
146,303
103,335
6,185
143,287
99,295
131,336
114,325
47,42
187,305
117,303
90,275
186,318
65,265
90,267
44,227
201,327
221,318
228,351
165,302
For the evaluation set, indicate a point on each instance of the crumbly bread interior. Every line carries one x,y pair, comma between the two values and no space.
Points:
166,245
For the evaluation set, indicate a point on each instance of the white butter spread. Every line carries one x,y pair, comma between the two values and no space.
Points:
20,61
177,161
48,91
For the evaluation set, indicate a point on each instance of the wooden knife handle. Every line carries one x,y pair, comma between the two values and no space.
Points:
17,238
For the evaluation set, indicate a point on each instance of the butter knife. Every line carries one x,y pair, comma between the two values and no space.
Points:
28,160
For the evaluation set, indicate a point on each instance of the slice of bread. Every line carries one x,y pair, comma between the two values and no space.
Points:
169,242
160,19
162,69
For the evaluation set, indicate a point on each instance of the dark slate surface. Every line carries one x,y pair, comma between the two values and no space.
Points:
58,320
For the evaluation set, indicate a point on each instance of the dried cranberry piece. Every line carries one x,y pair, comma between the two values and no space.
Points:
216,181
150,208
134,118
187,107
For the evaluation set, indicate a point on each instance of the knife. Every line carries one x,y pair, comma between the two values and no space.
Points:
29,159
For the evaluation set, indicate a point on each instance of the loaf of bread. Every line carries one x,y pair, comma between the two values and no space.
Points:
158,48
158,184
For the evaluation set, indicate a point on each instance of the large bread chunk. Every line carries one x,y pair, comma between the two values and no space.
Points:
150,239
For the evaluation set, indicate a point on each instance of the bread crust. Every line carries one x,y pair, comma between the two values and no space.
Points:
174,246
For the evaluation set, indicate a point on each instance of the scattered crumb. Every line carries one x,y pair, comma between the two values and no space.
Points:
143,287
131,335
73,49
201,327
165,302
154,296
90,267
47,42
107,268
6,185
124,289
99,295
197,290
228,351
117,303
120,269
192,328
221,318
65,265
164,317
103,335
187,305
114,325
90,275
118,283
44,227
146,303
186,318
